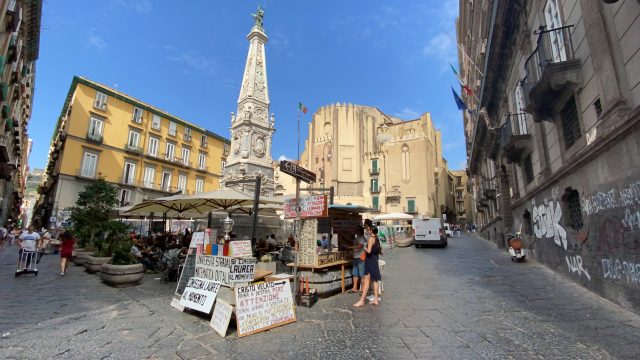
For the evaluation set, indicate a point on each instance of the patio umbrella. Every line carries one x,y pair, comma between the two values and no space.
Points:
394,216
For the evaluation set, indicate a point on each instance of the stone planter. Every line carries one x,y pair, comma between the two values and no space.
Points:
93,263
81,256
121,275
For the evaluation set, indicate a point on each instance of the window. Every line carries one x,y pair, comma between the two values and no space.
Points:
375,202
199,185
225,152
155,122
134,139
554,21
89,162
137,115
182,183
571,198
149,177
166,181
173,129
185,156
374,165
129,173
203,140
202,160
528,169
405,162
598,106
153,146
527,222
411,205
374,185
519,95
170,151
125,196
187,134
95,127
101,101
570,123
224,165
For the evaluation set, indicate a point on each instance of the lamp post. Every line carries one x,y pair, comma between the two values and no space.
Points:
227,226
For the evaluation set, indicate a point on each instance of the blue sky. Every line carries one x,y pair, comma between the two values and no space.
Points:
189,59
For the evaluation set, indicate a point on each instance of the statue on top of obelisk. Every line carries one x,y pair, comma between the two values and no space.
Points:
251,126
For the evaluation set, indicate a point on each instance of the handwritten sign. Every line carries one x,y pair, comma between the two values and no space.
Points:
241,248
221,317
200,294
242,270
324,259
313,206
263,306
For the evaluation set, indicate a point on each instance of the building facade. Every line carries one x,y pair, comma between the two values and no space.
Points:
376,160
251,127
463,198
554,148
144,151
19,47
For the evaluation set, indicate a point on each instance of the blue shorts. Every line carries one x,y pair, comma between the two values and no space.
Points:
358,268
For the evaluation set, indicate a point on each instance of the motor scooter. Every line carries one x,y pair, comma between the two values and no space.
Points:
518,254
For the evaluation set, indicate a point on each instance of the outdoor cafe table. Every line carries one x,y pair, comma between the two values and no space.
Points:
342,263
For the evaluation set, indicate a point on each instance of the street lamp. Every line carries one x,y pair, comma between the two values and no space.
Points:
227,226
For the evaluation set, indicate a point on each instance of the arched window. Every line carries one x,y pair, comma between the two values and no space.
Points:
571,200
405,162
527,222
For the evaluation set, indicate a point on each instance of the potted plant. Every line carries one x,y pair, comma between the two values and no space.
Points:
123,269
113,232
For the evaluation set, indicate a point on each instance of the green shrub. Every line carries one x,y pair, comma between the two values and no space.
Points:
122,253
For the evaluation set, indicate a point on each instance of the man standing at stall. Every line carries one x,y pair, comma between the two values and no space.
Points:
358,265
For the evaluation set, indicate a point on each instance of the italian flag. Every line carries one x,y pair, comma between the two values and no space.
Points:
302,108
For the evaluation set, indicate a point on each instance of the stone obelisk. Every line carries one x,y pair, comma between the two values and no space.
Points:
251,127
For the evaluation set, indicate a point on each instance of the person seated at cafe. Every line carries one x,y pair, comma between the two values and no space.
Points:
173,244
139,255
262,248
271,241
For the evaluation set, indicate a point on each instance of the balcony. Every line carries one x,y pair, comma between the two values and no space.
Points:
410,210
460,199
203,169
374,189
94,138
100,106
374,171
129,181
393,194
515,138
186,138
203,145
85,176
133,149
551,70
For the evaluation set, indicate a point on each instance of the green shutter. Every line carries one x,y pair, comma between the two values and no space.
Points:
411,206
375,202
374,165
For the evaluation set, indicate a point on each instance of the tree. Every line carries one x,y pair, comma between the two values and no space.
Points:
91,213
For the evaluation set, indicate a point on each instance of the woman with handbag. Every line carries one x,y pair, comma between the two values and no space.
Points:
359,257
371,270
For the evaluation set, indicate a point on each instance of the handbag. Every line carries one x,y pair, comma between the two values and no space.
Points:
363,256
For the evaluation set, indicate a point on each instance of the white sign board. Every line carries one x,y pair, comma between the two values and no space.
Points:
221,317
240,248
224,269
242,270
200,294
197,237
263,306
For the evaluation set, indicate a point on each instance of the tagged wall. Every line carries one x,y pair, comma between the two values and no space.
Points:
587,225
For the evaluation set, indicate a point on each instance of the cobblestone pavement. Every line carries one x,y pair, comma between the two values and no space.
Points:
468,301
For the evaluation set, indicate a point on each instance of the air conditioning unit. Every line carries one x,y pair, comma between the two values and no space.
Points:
483,46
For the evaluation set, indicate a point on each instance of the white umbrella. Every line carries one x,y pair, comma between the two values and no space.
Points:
394,216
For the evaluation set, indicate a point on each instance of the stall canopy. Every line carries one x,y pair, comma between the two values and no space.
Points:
357,209
394,216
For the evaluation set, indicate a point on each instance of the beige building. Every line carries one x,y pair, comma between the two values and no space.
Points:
555,146
376,160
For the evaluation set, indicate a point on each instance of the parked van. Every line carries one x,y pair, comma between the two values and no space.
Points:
429,231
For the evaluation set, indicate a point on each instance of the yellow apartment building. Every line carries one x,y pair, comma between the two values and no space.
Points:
142,150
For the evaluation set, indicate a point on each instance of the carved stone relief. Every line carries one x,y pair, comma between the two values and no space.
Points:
259,146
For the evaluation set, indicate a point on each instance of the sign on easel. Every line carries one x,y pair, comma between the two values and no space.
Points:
240,248
200,294
263,306
188,270
221,317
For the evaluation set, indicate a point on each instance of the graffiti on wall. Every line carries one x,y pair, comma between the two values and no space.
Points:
612,199
546,222
615,269
574,263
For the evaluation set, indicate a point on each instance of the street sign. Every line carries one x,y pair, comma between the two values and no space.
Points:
297,172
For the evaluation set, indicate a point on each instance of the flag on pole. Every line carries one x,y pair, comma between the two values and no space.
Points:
467,89
461,105
454,69
302,108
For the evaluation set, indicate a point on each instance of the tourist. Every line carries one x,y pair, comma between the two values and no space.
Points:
371,269
66,251
28,241
292,241
135,251
3,236
359,243
271,240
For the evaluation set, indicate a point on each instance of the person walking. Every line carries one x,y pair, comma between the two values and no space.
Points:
3,236
358,265
28,241
67,241
371,269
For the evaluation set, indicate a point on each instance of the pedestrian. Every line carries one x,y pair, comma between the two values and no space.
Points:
28,241
357,272
3,236
67,240
371,269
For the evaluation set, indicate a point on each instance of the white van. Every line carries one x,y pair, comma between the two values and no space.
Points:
429,231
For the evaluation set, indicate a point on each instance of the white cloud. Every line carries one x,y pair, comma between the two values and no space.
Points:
441,46
95,40
283,157
407,113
